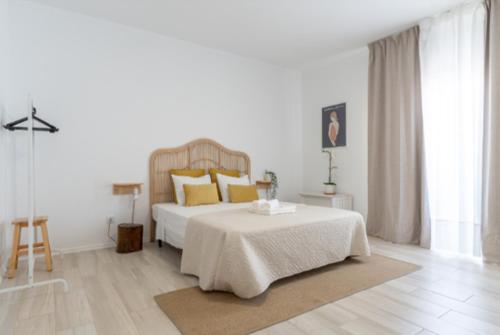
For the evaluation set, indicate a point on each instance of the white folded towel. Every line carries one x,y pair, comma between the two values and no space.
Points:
265,204
258,203
271,204
282,209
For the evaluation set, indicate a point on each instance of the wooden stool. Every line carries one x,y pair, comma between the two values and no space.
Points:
129,238
22,249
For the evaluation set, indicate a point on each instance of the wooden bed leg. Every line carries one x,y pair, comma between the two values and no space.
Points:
160,244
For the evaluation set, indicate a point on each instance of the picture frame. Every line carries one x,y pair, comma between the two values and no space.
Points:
334,126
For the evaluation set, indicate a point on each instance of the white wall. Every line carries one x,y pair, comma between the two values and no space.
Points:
3,98
6,144
119,93
341,79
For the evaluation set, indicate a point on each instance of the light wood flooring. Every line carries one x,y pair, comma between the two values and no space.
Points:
113,294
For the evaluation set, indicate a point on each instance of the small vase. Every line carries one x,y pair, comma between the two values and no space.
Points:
329,189
267,177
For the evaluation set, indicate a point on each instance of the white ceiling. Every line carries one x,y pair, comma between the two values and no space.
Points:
284,32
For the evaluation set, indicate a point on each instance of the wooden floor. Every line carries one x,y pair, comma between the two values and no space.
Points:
113,294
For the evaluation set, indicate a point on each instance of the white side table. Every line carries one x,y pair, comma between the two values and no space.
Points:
342,201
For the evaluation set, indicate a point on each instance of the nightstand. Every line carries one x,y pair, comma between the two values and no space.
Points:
129,238
342,201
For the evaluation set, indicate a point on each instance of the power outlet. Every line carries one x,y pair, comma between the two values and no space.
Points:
110,220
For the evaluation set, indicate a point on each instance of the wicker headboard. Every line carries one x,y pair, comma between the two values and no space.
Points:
198,154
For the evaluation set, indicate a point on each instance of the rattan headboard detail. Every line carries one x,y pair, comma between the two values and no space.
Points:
198,154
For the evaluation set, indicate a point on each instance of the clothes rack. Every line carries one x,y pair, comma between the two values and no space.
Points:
30,128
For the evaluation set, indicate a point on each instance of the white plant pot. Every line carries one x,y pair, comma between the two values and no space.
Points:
329,189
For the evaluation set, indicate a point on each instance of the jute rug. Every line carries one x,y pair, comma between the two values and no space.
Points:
196,312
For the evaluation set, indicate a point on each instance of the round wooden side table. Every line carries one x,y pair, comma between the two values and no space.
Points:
129,237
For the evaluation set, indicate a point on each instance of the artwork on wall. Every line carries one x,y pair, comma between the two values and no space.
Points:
334,126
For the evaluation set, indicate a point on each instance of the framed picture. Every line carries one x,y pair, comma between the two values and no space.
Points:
334,126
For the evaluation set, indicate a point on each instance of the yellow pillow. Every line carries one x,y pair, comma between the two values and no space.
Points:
242,193
184,172
213,176
203,194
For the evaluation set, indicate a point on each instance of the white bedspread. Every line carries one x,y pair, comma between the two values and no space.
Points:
244,253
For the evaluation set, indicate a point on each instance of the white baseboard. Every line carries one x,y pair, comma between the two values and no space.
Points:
88,247
71,250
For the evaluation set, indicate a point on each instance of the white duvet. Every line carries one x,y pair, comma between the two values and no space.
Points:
243,253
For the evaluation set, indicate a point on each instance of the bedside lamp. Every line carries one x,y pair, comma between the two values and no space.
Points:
133,189
129,235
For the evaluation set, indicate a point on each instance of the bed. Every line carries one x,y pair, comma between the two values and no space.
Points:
230,249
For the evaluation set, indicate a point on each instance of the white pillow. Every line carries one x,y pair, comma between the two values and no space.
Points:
223,181
179,181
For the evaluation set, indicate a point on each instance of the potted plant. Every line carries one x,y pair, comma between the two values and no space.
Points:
271,176
330,188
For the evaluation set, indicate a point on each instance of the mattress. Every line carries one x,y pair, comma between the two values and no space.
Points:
171,219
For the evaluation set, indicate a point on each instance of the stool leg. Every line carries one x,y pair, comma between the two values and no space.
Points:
16,239
46,246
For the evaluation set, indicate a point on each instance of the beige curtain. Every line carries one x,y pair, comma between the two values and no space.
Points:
395,147
491,146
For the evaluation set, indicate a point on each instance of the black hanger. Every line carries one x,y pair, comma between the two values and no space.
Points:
48,127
